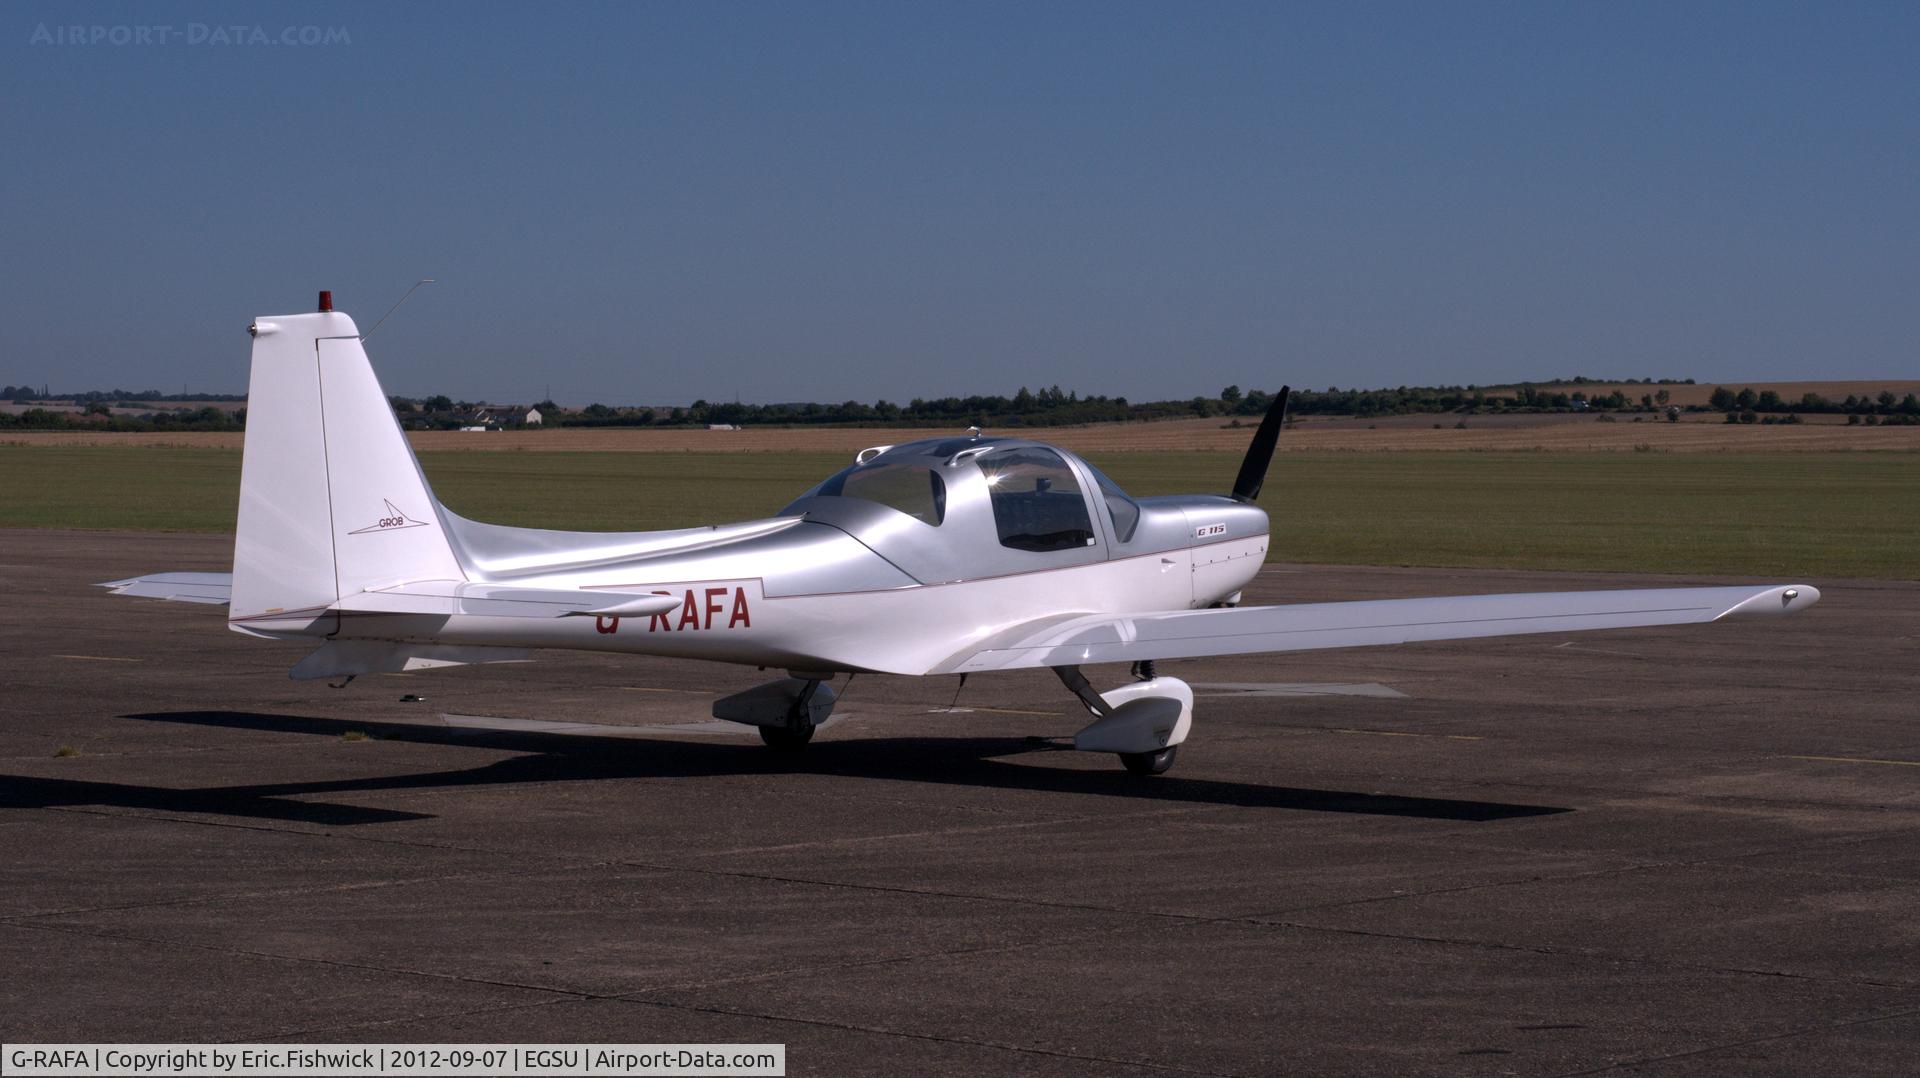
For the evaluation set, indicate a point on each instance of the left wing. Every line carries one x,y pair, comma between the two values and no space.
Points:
504,601
1187,634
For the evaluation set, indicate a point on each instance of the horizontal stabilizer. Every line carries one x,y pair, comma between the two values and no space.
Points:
438,597
449,597
213,588
1187,634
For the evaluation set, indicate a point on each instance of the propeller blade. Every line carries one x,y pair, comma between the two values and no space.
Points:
1253,470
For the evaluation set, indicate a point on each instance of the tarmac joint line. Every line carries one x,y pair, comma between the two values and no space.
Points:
1855,760
1407,733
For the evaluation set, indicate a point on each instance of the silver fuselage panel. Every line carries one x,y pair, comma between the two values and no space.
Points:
829,543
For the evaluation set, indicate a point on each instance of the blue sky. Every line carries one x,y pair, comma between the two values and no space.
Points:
653,203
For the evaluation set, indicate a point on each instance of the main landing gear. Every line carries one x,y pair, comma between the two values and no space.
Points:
1142,722
785,711
790,738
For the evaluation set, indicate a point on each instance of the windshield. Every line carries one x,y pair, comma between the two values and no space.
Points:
1121,509
913,489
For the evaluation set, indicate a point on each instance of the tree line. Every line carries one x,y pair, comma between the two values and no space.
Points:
1052,407
23,393
1883,404
1047,406
96,416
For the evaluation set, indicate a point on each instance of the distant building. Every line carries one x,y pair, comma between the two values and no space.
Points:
532,418
722,426
481,418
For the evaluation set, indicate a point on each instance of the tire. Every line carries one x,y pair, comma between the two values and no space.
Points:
786,738
1150,763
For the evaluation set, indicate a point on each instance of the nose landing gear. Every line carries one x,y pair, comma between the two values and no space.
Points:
1142,722
1150,763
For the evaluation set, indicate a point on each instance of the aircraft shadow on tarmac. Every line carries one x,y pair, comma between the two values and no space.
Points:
555,757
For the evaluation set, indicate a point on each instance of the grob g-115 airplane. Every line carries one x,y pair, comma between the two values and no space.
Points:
949,555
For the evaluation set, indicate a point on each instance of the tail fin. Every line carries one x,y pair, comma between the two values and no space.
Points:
332,500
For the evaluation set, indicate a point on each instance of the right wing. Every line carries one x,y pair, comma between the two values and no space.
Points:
1188,634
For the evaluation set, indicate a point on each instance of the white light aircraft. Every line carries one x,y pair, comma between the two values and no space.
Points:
950,555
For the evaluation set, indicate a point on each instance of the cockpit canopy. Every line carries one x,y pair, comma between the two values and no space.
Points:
957,508
1036,499
906,485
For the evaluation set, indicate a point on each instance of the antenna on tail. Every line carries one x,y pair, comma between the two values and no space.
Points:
327,304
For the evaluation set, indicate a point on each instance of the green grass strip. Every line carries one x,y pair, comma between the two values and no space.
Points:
1802,515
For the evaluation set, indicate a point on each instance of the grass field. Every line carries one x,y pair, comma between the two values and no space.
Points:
1805,514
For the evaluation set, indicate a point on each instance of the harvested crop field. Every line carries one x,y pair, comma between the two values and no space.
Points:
1420,433
1684,395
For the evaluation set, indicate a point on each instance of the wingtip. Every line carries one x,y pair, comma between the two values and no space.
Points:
1776,601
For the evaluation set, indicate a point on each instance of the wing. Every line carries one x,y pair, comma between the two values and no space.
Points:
1190,634
442,597
502,601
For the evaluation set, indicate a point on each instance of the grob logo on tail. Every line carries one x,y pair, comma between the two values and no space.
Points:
392,521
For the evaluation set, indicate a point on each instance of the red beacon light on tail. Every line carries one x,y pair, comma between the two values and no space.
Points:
326,302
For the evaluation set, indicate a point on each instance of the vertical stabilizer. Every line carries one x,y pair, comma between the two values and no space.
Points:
332,500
